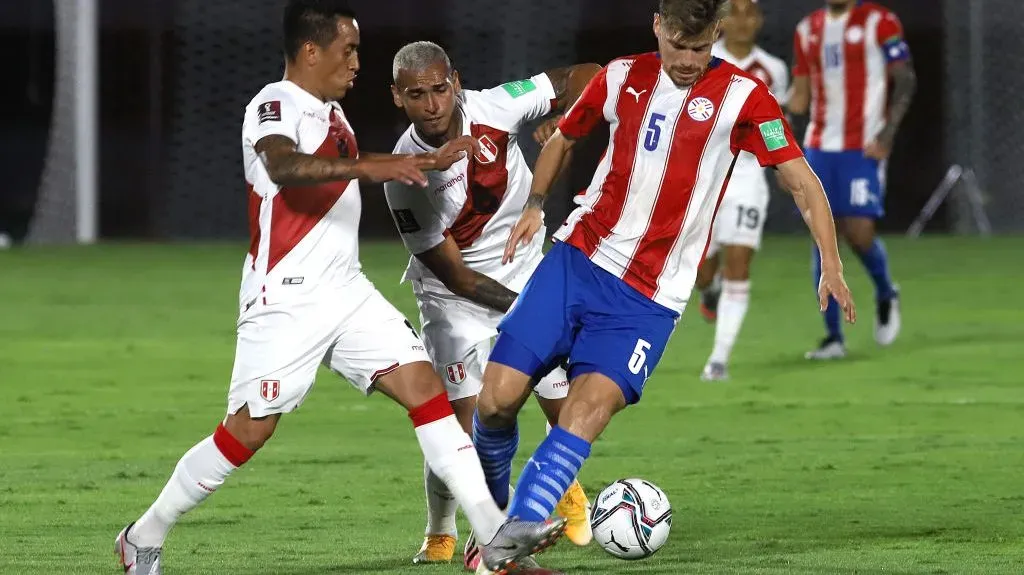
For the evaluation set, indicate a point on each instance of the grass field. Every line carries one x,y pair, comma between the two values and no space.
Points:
114,360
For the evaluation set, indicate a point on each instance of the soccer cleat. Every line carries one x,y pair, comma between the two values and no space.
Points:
575,507
525,566
709,302
435,549
830,348
714,371
136,560
471,553
516,540
888,320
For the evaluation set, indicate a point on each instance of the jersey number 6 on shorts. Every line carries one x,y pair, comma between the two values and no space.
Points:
639,357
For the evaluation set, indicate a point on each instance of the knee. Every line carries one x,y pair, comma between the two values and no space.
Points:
493,411
736,271
252,433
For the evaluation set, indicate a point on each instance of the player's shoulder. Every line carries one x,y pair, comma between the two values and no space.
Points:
807,22
875,8
734,73
282,91
408,143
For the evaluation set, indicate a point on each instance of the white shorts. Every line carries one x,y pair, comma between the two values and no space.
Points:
357,334
459,335
740,219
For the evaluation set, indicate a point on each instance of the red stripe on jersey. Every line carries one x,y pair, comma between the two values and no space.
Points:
296,210
689,140
486,186
718,204
631,111
819,99
255,203
856,68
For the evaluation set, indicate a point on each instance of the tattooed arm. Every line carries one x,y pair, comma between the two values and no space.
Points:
904,84
287,166
445,261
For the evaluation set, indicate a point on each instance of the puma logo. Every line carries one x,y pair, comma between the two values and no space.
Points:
634,93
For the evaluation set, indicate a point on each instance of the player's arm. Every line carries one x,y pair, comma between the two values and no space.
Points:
762,130
581,118
445,262
569,83
798,100
903,80
287,166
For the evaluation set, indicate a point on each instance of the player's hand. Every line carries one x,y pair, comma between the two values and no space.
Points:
877,150
405,169
453,151
528,224
545,130
833,284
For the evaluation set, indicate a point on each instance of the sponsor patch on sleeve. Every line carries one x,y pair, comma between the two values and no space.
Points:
519,87
774,135
270,111
406,221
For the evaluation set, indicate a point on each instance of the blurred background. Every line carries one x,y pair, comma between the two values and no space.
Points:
123,116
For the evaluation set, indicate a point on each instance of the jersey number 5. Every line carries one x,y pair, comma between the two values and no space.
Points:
653,135
639,358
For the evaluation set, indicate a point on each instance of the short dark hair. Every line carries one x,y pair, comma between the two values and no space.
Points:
312,21
691,17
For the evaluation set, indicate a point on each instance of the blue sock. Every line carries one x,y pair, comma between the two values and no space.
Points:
548,474
833,319
876,261
496,448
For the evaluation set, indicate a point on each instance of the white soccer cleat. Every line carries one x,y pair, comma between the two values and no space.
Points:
136,560
888,320
828,350
715,371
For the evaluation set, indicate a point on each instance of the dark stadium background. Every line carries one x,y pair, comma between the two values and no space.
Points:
175,75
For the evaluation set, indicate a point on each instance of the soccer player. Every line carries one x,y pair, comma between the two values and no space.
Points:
607,296
724,277
304,300
456,231
845,55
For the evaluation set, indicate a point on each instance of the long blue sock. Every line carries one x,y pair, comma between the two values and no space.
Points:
548,474
496,448
876,261
833,321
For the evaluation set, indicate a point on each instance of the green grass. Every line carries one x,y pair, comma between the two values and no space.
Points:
114,360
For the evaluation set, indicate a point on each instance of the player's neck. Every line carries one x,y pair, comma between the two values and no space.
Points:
739,50
295,77
840,11
454,131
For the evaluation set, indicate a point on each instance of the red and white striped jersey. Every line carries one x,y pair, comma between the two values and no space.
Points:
477,201
303,240
646,216
847,59
775,74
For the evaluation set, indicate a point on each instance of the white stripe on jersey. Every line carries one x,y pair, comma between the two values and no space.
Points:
833,133
875,91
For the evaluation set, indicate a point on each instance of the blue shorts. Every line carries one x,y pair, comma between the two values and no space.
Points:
852,182
573,312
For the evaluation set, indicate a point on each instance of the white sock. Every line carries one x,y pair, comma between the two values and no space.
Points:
732,308
198,474
450,453
441,505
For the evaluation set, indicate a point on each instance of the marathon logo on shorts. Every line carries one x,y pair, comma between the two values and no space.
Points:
270,389
456,372
270,111
406,221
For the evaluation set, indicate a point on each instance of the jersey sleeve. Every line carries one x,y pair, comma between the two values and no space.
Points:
801,64
276,115
588,110
890,39
522,100
417,220
762,130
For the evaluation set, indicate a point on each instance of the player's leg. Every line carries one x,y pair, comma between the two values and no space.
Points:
858,228
827,166
551,392
732,309
709,282
275,364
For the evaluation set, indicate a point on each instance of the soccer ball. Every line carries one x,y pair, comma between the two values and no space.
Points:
631,519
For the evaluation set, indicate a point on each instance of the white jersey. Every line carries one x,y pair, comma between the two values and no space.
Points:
478,200
775,74
303,240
